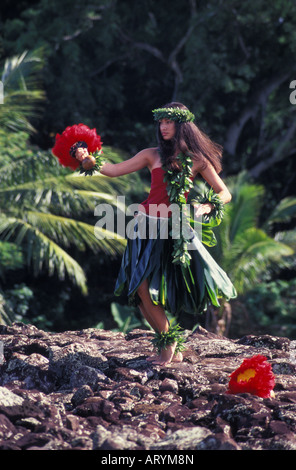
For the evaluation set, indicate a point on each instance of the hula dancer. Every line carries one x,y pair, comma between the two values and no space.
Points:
158,270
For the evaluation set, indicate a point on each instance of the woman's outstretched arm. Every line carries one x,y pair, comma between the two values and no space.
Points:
136,163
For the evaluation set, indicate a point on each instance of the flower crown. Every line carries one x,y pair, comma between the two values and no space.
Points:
174,114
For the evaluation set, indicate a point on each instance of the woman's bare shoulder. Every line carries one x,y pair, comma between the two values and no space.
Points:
151,151
152,156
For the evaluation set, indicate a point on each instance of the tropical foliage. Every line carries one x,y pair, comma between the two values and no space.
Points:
44,206
271,306
23,93
41,215
44,211
108,64
247,248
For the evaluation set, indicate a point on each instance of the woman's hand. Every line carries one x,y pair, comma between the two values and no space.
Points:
81,153
87,161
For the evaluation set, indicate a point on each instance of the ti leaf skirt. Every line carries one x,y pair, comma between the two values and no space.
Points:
148,255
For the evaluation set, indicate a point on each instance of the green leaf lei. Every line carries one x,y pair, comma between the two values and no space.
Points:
213,198
178,184
162,340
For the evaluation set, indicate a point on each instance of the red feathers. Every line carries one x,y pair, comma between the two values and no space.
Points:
71,135
253,376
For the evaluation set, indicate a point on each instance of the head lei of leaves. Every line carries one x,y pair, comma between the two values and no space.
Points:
173,114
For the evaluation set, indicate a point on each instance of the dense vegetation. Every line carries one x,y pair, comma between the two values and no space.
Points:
107,63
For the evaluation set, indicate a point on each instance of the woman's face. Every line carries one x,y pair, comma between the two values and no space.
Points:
167,129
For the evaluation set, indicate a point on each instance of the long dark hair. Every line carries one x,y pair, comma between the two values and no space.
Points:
190,140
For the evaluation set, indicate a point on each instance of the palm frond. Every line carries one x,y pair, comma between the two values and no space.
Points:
42,252
23,93
246,250
284,211
21,71
32,167
59,201
102,183
43,170
69,232
287,237
39,197
244,209
251,255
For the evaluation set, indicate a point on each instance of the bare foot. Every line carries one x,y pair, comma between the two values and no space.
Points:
178,357
166,356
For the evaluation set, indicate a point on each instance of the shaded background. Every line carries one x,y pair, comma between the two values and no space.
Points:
107,64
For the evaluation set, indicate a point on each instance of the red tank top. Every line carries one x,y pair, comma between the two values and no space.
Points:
158,200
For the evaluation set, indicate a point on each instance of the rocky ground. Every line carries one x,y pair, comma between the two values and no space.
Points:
94,390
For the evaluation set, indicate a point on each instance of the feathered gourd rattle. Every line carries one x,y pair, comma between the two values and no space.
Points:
79,147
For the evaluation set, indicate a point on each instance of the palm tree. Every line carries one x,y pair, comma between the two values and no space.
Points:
43,211
44,207
246,249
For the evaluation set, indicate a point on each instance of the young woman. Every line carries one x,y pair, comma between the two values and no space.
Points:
157,272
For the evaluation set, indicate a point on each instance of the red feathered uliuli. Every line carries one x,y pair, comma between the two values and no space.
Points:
71,135
254,376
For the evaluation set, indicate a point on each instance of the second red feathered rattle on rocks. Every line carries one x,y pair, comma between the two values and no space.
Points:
79,147
253,376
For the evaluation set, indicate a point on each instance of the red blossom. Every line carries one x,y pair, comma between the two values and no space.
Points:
71,135
254,376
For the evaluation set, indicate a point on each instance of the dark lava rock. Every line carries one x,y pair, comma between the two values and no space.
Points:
94,390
